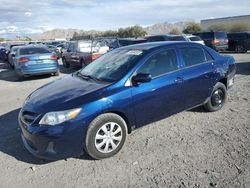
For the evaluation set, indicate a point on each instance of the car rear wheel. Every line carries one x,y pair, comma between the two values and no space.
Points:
65,63
56,73
106,136
239,49
217,99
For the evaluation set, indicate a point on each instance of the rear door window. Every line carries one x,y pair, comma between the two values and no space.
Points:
160,63
193,56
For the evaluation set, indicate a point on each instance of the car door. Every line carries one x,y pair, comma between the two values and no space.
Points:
162,96
197,74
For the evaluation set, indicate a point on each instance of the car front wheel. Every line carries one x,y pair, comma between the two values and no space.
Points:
106,136
217,98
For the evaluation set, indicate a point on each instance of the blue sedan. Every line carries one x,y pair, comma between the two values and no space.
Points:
93,110
32,60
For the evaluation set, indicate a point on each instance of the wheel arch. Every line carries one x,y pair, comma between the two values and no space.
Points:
223,81
124,117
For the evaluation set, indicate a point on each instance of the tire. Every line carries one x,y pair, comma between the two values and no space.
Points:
56,73
65,63
82,63
239,49
20,77
96,139
217,99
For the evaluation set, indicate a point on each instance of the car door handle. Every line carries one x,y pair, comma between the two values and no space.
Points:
179,80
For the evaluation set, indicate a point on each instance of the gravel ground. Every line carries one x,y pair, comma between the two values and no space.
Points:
189,149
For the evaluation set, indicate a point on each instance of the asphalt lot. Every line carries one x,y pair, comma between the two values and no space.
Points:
189,149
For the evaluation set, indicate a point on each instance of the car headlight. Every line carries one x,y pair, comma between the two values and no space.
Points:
54,118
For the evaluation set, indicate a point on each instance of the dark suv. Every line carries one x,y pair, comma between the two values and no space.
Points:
239,42
215,40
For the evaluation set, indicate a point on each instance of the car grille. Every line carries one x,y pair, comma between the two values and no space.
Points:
29,117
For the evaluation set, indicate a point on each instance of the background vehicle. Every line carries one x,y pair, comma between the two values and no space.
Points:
81,53
129,87
8,48
239,42
11,55
196,39
32,60
120,42
215,40
177,38
188,38
2,52
157,38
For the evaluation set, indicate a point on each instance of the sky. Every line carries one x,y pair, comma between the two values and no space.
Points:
28,17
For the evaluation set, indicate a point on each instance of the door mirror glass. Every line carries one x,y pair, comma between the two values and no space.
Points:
141,78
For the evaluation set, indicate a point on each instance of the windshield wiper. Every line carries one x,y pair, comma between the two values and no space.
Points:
87,76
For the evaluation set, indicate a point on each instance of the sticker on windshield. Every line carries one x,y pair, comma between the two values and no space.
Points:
134,52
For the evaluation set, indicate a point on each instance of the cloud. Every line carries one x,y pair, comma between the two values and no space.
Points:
27,13
30,16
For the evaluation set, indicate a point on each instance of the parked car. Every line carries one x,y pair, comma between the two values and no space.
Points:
96,107
2,52
239,42
196,39
11,55
34,60
8,48
215,40
120,42
81,53
188,38
157,38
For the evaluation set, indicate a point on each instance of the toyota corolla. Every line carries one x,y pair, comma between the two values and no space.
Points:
94,109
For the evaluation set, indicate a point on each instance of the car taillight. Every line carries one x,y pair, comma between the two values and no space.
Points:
23,60
215,41
94,56
53,57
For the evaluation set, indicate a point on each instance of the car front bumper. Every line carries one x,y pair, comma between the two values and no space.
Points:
53,142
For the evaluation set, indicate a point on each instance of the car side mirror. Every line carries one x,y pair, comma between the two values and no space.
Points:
68,50
12,55
141,78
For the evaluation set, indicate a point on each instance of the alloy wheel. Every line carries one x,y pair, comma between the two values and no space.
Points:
108,137
217,98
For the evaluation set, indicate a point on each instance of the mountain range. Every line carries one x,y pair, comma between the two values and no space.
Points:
160,28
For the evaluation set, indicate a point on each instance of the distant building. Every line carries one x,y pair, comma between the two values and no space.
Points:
227,20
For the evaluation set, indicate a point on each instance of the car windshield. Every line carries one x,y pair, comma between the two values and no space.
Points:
30,51
112,66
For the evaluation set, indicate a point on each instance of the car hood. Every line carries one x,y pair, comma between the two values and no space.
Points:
66,93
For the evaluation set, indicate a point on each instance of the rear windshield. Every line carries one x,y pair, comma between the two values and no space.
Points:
30,51
195,38
220,35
